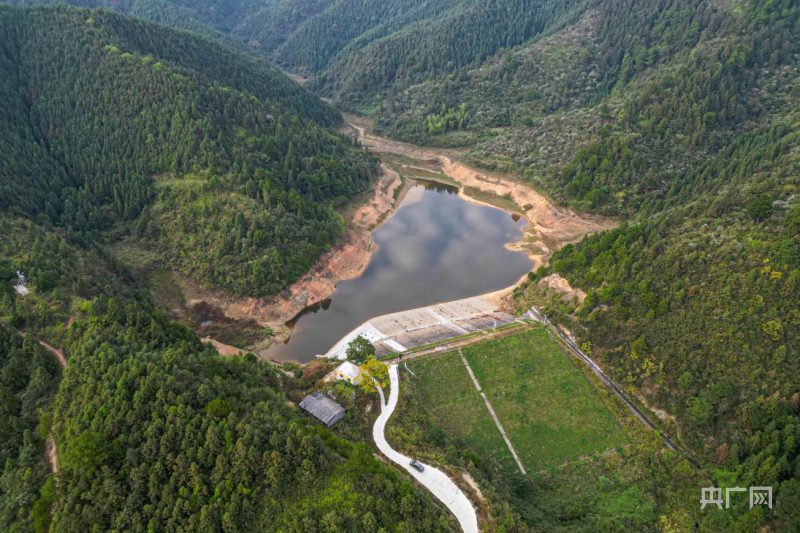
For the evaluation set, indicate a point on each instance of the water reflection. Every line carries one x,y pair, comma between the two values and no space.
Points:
310,310
436,247
438,186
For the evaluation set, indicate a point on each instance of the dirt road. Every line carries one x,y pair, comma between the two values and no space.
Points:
223,349
50,444
52,453
57,352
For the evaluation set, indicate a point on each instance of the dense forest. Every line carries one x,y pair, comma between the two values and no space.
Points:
156,431
206,154
165,434
29,378
116,128
362,51
61,275
692,303
676,117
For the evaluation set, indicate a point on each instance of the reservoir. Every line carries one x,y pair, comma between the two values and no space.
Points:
436,247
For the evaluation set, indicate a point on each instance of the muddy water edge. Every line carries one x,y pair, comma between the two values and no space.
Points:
542,227
436,247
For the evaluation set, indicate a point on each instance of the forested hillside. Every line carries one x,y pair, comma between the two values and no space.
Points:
116,128
362,51
29,378
156,431
571,69
693,303
206,154
202,17
111,127
677,117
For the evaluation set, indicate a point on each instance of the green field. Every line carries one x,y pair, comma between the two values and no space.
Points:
445,388
550,412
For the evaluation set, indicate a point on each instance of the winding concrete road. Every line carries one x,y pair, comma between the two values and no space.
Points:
433,479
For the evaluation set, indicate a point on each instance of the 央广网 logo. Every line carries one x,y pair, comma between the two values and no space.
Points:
713,496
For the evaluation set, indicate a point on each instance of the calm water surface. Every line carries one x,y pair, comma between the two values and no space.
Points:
436,247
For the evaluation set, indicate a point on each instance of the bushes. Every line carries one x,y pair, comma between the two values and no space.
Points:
760,208
165,433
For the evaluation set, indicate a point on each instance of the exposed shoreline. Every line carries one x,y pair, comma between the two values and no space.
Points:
547,229
346,260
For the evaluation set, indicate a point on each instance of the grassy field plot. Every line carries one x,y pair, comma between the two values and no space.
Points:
444,387
550,412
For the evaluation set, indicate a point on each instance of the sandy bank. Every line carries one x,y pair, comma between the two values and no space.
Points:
549,227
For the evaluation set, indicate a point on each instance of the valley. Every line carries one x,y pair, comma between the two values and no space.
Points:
549,227
562,236
317,313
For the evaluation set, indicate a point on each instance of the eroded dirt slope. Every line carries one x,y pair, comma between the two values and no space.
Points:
346,260
549,227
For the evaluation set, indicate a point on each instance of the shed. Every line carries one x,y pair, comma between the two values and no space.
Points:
323,408
349,372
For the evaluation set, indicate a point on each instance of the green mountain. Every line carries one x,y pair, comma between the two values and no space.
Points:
115,127
677,117
680,119
695,299
208,155
156,431
363,50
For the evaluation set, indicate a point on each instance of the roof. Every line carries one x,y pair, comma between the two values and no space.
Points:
349,369
322,408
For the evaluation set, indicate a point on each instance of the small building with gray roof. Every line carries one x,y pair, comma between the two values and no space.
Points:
323,408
